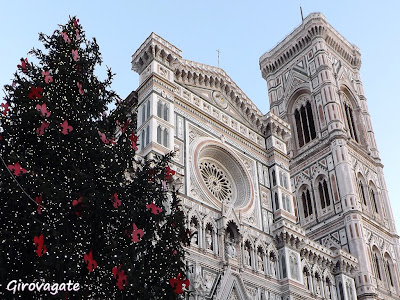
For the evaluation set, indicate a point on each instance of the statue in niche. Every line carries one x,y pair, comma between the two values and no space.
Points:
260,261
193,230
246,256
230,248
209,241
272,267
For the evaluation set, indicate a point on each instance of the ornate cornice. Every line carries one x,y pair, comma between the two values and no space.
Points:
314,26
193,73
188,72
154,47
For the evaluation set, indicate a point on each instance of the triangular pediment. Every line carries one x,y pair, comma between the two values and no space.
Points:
221,102
295,78
219,90
232,287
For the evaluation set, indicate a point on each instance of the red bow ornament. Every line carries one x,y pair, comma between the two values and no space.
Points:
155,210
17,169
178,283
47,77
36,93
66,128
39,244
91,263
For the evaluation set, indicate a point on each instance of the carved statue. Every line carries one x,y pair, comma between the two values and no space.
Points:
209,241
231,249
246,256
260,261
272,268
193,230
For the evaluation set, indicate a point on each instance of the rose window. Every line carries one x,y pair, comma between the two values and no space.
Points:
216,181
220,175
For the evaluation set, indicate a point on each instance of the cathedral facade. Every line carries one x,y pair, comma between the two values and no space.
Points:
291,204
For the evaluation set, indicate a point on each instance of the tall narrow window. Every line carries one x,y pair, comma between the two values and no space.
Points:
143,139
361,193
148,110
143,113
159,108
305,125
310,119
304,200
306,128
162,136
165,140
273,177
147,134
373,199
307,203
165,112
324,194
299,128
288,206
376,265
159,134
276,201
350,121
162,110
389,273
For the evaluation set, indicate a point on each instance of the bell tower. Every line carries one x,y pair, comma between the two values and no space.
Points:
313,80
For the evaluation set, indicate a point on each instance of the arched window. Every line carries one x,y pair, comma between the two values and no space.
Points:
361,193
143,139
159,131
324,194
276,201
147,134
145,111
273,174
162,136
307,203
348,110
305,125
148,110
285,181
165,140
162,110
372,198
376,264
388,270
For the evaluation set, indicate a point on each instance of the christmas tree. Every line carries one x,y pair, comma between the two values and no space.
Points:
76,204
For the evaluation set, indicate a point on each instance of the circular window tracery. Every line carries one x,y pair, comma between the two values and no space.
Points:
220,175
216,181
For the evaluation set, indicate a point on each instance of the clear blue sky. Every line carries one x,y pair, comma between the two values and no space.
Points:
241,30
